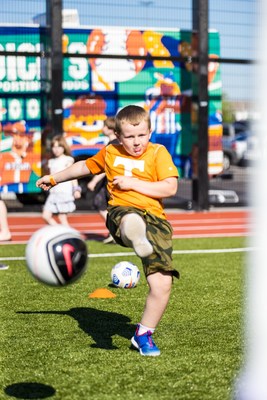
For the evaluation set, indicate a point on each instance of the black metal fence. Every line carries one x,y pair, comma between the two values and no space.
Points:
48,47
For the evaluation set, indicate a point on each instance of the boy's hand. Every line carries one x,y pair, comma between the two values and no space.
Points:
124,182
44,182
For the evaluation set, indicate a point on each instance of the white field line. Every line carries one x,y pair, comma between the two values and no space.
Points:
210,235
207,221
123,254
206,228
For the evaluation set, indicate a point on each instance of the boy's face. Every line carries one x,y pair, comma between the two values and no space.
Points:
135,138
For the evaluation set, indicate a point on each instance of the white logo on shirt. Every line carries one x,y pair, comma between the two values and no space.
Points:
129,165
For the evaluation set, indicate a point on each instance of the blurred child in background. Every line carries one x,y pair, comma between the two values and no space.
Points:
99,182
61,199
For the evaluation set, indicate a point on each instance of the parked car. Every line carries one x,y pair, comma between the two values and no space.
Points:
240,144
242,126
228,130
252,150
234,143
233,149
228,152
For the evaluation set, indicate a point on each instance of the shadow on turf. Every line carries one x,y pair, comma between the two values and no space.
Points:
100,325
29,390
94,236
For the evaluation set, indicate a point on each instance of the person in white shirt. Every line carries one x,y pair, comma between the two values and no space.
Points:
61,199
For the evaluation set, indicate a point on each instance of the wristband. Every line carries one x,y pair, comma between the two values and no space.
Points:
52,180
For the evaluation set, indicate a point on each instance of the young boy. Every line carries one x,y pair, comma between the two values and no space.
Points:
139,174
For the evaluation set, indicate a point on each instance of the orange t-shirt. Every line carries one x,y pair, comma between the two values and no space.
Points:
154,165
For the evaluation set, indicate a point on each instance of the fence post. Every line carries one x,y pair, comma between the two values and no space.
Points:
200,192
54,23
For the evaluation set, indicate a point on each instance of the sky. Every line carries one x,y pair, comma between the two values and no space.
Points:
234,19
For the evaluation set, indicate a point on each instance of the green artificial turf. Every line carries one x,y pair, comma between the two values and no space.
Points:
57,343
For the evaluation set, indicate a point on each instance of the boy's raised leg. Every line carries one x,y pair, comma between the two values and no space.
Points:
133,234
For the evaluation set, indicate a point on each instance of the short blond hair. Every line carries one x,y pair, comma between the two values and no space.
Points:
133,115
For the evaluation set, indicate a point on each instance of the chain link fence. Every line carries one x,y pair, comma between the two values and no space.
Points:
66,72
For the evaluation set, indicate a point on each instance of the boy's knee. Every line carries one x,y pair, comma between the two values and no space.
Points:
132,226
133,234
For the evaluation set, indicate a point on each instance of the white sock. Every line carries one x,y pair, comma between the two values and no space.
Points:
143,329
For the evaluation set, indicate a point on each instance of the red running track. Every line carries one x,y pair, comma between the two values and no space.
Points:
186,224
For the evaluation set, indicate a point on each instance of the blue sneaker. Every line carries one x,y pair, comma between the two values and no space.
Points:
145,344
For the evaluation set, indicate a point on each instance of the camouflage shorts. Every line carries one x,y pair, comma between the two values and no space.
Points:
159,234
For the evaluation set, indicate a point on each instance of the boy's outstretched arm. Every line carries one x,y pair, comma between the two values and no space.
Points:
75,171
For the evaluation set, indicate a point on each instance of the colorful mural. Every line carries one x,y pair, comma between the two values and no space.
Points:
99,84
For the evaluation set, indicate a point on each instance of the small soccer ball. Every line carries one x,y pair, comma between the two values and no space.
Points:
125,275
56,255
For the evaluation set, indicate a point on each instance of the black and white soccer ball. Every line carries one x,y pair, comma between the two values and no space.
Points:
56,255
125,275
